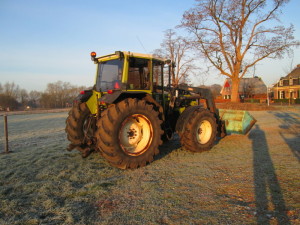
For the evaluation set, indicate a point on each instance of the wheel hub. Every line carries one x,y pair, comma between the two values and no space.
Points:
135,134
204,132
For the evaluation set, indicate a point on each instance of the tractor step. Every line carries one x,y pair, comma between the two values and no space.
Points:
237,121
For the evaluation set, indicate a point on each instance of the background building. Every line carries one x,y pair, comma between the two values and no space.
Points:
288,87
249,88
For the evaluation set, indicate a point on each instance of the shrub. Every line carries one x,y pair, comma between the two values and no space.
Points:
252,100
286,101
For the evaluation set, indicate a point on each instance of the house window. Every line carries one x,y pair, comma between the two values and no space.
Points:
281,94
227,96
291,81
281,83
293,94
285,82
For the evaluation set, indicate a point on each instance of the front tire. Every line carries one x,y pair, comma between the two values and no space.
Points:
199,133
129,133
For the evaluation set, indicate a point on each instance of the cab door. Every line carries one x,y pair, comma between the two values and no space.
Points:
158,81
139,74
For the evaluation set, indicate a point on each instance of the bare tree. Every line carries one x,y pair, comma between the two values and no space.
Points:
34,95
23,97
33,98
8,102
215,89
11,89
59,94
176,48
288,68
248,88
55,93
9,94
234,35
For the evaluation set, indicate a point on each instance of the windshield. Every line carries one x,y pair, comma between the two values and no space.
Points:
109,75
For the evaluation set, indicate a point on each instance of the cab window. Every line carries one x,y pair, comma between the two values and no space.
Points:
139,74
157,74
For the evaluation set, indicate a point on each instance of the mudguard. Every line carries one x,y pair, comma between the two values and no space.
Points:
119,95
90,97
110,98
184,117
84,96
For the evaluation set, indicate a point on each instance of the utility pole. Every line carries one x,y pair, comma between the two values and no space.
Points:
268,100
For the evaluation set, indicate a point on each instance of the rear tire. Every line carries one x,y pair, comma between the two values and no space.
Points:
80,128
129,133
199,132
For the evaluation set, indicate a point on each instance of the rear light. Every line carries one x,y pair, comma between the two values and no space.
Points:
110,91
82,92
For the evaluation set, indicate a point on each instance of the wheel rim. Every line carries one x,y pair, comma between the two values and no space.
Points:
204,132
136,134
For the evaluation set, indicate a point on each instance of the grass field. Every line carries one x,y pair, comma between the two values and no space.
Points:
251,179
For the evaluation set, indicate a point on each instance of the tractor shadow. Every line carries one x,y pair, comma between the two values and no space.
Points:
172,145
168,147
290,130
266,184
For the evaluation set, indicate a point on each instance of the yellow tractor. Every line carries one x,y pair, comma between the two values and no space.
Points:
132,108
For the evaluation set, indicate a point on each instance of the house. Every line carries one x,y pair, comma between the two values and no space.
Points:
288,87
249,88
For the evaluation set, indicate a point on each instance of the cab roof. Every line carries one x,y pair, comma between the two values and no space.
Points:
132,54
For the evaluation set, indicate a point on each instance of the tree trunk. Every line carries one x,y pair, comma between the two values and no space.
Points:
235,90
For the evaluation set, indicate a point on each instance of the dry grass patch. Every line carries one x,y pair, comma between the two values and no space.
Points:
242,180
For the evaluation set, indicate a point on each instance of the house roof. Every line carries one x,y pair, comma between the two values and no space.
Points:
255,84
295,73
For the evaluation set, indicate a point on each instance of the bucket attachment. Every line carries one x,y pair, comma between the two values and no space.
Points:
236,121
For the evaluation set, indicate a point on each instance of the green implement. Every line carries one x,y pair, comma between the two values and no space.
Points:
236,121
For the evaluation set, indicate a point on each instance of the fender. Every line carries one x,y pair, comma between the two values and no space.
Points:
90,97
117,96
84,95
184,117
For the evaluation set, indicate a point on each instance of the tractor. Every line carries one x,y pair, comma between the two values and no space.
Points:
132,108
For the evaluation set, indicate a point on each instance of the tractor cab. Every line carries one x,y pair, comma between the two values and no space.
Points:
128,71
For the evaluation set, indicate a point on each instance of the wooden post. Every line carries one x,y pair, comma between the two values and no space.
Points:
6,135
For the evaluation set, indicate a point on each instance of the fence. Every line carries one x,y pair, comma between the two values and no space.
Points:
6,149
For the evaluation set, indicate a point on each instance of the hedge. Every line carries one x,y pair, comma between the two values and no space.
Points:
293,101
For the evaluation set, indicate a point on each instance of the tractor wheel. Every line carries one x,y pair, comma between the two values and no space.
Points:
129,133
199,133
80,127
